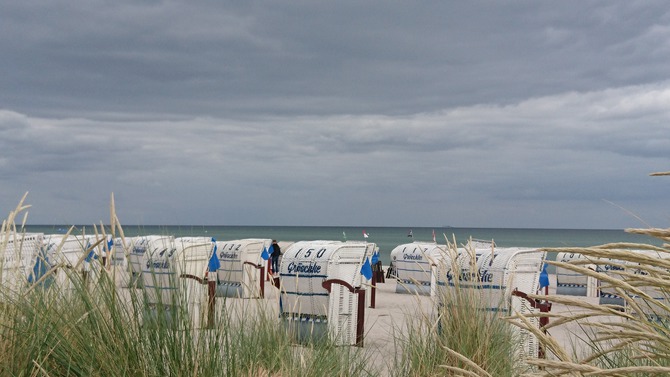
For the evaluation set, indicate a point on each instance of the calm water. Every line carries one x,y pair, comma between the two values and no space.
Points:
386,238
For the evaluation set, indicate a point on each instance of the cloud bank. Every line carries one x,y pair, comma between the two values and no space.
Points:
293,113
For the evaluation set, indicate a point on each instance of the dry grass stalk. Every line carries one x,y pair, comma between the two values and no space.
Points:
660,233
624,371
478,370
630,343
561,368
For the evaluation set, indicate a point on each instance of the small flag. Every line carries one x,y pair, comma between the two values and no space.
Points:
265,254
410,234
434,236
344,235
366,269
365,235
544,277
214,263
40,267
375,257
91,255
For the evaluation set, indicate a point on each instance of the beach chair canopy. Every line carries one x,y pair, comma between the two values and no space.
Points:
493,272
65,250
145,247
412,263
167,262
193,255
634,267
494,277
573,283
174,274
242,267
21,254
578,284
305,266
121,249
234,253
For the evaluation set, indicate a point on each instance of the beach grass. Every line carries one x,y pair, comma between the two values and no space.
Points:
627,339
94,331
462,340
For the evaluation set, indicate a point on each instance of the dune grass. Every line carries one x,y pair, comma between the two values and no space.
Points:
94,331
462,340
632,339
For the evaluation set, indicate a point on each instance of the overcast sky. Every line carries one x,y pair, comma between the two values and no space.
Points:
469,114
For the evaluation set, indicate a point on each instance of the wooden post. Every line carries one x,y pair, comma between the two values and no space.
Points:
263,282
211,291
374,289
360,323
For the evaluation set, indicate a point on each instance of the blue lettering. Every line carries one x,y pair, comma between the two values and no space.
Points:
608,267
308,268
486,277
465,275
158,265
227,255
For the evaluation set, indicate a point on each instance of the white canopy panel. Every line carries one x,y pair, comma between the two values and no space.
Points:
307,304
239,274
412,266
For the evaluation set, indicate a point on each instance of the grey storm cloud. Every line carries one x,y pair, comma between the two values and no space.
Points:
220,58
517,113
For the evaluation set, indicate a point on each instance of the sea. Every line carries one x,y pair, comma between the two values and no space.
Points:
386,238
